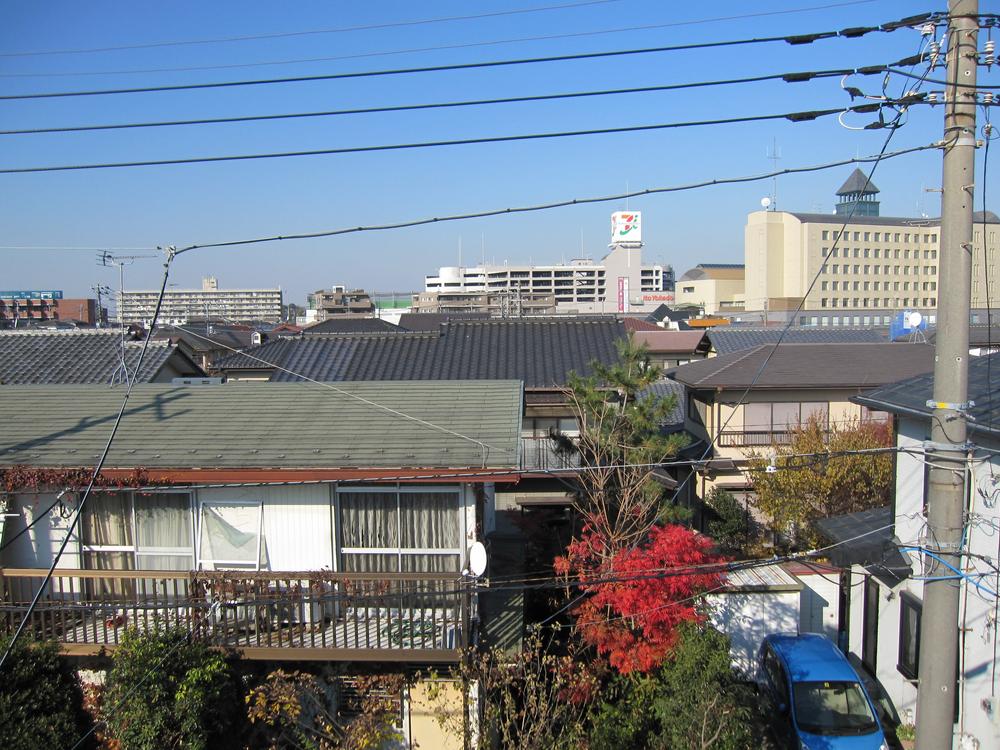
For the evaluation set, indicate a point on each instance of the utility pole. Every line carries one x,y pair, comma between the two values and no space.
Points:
946,489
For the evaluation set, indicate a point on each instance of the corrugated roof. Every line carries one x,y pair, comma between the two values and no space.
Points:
281,426
538,351
809,366
81,356
910,395
719,271
735,339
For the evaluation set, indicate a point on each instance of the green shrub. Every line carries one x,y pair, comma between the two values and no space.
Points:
41,702
166,691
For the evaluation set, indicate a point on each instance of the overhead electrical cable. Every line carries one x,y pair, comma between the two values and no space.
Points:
315,32
560,204
438,48
794,77
803,116
797,39
97,469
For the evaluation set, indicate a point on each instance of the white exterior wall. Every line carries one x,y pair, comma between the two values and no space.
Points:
819,608
298,524
746,617
36,548
977,613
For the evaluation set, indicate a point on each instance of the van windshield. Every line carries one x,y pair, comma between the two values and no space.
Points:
835,708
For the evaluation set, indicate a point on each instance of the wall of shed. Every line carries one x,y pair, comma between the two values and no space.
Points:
746,617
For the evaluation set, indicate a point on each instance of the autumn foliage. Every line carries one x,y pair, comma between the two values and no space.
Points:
637,598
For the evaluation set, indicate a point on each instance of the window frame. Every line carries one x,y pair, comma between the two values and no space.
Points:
135,550
399,551
908,664
230,564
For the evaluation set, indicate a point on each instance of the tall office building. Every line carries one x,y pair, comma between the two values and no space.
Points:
874,265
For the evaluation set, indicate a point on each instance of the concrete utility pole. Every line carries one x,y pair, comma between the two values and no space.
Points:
946,490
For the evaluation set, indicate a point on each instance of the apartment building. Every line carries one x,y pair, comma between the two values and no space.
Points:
182,305
868,269
339,300
618,283
23,306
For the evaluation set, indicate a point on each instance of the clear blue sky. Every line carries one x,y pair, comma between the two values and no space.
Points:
179,205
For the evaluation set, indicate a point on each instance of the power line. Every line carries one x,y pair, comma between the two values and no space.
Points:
798,39
413,50
792,77
96,472
313,32
560,204
790,116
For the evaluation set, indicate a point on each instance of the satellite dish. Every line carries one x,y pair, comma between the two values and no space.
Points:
765,203
914,319
477,559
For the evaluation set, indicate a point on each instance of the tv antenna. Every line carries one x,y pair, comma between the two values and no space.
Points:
104,258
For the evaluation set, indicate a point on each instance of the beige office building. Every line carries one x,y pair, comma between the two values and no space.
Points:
865,271
717,288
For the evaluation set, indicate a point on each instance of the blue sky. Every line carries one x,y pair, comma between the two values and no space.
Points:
187,204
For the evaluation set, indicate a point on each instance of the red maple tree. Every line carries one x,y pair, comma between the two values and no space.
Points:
637,597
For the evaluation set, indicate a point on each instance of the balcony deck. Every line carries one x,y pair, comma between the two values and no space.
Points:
411,617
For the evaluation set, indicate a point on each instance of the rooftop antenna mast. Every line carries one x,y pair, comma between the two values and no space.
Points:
106,259
774,156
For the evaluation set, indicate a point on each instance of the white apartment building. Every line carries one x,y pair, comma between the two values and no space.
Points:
868,270
618,283
181,305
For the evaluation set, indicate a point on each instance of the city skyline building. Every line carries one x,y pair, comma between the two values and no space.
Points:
618,283
180,306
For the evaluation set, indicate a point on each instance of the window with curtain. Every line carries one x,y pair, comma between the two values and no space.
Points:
400,530
129,531
783,416
230,536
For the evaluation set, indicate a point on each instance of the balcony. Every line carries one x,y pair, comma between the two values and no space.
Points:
321,615
754,438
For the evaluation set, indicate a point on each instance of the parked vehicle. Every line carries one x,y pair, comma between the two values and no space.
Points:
813,698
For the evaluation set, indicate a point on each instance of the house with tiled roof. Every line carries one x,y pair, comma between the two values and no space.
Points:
89,356
749,400
728,339
289,522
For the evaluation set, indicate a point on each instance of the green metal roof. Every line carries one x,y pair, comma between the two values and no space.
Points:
436,424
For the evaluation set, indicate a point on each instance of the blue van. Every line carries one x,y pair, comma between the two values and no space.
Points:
813,697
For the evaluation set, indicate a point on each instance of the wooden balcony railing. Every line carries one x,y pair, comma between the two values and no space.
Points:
415,617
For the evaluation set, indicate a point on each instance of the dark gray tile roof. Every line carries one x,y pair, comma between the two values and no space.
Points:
540,352
81,356
857,183
280,426
910,395
433,321
201,340
979,335
726,340
667,387
352,325
809,366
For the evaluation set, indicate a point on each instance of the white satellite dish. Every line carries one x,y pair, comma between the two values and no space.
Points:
914,319
765,203
477,559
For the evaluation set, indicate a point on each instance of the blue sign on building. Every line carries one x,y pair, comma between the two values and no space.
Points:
37,294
